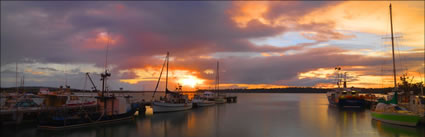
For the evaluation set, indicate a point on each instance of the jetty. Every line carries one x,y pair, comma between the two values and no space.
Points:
232,99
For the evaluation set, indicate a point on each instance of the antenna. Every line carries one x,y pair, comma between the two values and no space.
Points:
105,75
107,49
16,78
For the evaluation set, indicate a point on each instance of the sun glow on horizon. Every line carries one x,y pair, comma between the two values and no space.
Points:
184,77
191,81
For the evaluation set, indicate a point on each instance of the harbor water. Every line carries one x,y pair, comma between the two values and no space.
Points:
254,115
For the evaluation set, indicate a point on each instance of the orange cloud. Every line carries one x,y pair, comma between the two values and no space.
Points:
35,72
323,73
245,12
265,54
250,86
99,39
119,7
373,17
357,77
209,71
325,85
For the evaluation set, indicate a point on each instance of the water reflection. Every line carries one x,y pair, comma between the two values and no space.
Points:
254,115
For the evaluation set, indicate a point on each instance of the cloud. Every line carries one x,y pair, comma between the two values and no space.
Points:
197,34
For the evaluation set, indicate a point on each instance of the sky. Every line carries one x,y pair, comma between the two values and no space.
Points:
258,44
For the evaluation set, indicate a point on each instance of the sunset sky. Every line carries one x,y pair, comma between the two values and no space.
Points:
258,44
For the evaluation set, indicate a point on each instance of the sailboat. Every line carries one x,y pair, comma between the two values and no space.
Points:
172,101
205,99
209,98
220,99
390,111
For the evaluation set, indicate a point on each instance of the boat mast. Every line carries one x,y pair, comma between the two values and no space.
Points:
345,79
104,77
392,45
217,79
338,76
23,83
105,74
16,78
166,74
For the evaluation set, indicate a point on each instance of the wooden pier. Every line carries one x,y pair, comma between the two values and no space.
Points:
232,99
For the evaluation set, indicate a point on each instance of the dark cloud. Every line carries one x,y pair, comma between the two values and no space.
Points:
295,9
65,32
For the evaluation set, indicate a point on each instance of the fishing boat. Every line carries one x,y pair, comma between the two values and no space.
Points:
390,111
171,101
65,98
345,97
204,100
108,108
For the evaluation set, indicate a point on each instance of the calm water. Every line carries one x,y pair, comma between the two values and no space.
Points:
254,115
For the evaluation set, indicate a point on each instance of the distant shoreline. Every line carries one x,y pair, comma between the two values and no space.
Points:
272,90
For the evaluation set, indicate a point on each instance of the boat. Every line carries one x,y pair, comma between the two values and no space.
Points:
171,101
390,111
108,108
65,98
345,97
19,107
220,99
204,100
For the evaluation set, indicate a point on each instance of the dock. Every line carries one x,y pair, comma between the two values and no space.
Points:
232,99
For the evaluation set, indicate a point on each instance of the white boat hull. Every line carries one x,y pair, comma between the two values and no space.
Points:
170,107
220,101
204,103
